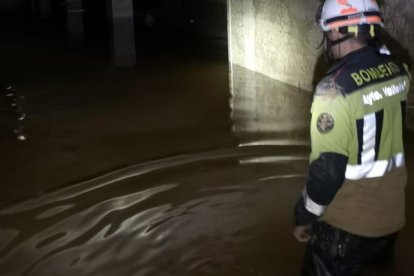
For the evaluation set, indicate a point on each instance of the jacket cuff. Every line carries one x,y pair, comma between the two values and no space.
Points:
303,216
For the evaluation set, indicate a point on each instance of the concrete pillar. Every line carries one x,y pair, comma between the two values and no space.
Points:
75,21
272,54
33,8
122,33
41,8
243,79
45,8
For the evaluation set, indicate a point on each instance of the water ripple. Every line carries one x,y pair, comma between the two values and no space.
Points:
145,215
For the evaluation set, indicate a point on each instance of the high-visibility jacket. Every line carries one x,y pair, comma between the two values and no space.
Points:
357,174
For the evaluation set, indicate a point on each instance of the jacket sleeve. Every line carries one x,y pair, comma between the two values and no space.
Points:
331,133
326,175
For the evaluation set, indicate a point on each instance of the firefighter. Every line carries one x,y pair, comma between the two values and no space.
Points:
352,206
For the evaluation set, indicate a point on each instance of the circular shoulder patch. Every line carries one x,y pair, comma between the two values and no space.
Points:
325,123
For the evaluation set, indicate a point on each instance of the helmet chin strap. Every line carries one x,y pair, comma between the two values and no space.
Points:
330,43
340,40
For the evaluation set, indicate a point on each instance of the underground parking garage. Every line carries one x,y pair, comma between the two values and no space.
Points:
166,137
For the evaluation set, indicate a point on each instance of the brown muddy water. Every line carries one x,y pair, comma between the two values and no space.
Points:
155,170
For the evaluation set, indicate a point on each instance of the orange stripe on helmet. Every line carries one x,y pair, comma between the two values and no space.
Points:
349,8
355,21
349,11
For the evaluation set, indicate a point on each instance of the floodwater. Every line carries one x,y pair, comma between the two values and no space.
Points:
158,170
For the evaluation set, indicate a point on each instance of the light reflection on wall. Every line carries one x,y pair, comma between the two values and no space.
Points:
272,53
268,112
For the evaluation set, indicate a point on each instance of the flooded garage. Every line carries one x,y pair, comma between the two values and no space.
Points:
165,137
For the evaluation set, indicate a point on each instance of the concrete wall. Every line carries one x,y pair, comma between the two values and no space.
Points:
275,41
272,52
275,38
399,19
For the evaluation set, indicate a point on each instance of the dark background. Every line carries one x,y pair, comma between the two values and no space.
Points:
181,21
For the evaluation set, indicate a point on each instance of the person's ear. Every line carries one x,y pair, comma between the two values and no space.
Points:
334,35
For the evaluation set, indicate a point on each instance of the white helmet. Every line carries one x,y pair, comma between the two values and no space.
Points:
335,14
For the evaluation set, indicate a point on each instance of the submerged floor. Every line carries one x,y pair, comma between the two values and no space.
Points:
139,172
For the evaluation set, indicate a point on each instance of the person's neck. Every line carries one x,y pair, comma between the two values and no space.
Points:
348,47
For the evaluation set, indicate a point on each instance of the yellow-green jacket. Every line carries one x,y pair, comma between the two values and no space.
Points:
357,174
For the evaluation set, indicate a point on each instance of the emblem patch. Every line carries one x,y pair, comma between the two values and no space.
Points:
325,123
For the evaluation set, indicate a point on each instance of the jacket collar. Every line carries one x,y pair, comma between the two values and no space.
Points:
354,55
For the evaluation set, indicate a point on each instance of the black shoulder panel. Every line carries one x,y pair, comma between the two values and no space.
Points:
363,68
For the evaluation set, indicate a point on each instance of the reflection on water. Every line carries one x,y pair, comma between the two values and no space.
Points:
212,212
12,114
196,214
